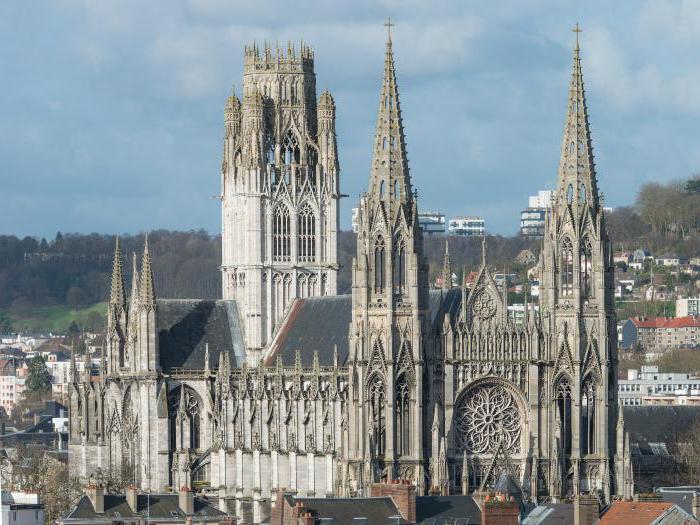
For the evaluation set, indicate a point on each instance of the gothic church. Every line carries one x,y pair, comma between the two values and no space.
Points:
283,384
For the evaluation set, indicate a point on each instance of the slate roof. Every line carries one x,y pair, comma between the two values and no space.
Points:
185,326
444,510
680,496
322,324
550,514
346,511
163,506
658,423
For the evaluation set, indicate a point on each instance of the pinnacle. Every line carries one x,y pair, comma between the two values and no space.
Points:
148,294
117,295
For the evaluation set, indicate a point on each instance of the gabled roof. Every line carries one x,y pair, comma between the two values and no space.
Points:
635,512
164,506
185,327
346,511
453,510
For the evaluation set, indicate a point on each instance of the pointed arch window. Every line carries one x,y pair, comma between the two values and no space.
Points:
306,234
588,415
586,270
403,416
567,268
399,266
376,397
290,145
281,234
379,269
562,395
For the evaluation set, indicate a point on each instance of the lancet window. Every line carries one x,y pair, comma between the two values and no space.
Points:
379,258
567,268
403,415
399,266
281,234
588,411
306,234
376,397
562,394
586,271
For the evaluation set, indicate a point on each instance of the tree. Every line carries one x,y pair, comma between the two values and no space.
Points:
38,377
5,323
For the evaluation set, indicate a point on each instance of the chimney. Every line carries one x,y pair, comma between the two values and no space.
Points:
695,508
403,494
586,509
499,509
132,496
96,493
306,518
186,500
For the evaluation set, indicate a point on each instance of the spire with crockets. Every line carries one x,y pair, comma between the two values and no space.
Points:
148,293
117,296
446,269
390,178
577,179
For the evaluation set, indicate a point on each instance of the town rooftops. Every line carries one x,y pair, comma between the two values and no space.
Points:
666,322
157,506
645,513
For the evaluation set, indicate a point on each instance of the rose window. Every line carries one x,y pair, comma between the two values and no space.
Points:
486,414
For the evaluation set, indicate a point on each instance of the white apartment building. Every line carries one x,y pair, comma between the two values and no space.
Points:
648,386
21,508
431,222
467,226
532,218
686,306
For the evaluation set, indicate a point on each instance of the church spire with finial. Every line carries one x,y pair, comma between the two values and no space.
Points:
577,178
390,177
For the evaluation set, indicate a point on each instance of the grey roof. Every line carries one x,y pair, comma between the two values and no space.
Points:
453,510
652,424
346,511
186,326
320,324
550,514
681,496
156,506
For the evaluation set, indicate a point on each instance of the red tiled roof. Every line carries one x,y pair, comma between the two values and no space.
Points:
634,512
666,322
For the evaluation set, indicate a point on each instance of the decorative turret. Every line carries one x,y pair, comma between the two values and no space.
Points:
117,297
148,292
446,269
232,116
116,316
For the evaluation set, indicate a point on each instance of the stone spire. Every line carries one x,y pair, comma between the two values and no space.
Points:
446,269
73,369
148,293
389,162
577,178
134,301
117,296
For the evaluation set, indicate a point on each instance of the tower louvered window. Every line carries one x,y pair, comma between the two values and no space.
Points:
567,268
306,234
399,266
586,270
379,265
281,235
403,426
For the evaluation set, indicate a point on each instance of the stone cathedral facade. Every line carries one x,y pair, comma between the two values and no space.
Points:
283,384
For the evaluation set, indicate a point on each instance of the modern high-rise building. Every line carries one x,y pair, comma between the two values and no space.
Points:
467,226
532,218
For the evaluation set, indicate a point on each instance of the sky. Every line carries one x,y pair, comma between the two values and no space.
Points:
111,112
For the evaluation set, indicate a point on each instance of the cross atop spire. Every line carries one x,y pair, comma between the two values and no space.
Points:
388,24
576,30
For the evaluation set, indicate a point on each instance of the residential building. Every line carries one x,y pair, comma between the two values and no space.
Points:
467,226
21,508
431,222
641,512
622,257
526,257
641,255
648,386
183,507
533,217
671,260
687,306
660,334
